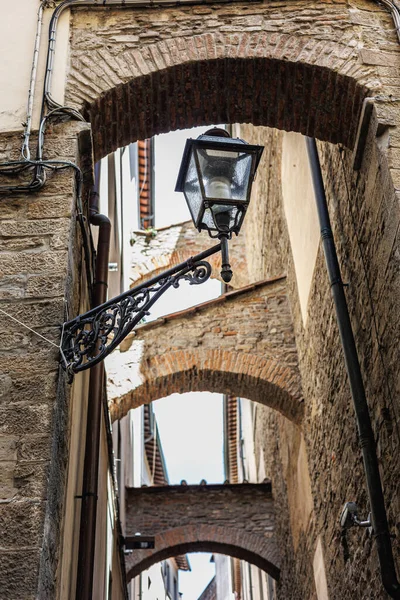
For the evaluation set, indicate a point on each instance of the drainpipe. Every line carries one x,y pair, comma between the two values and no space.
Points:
84,585
365,432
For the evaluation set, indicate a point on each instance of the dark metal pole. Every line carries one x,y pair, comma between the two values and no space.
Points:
365,432
226,271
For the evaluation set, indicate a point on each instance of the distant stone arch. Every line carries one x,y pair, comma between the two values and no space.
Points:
240,344
204,541
169,246
234,373
209,518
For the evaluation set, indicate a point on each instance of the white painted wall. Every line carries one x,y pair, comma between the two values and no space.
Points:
223,577
17,38
247,416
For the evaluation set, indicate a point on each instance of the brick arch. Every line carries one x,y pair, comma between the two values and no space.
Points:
233,519
221,371
307,81
241,343
207,538
327,107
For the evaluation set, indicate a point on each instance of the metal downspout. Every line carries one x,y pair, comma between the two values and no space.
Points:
365,432
87,535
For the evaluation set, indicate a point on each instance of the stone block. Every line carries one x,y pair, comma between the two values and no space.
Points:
21,524
371,57
34,447
32,262
31,386
31,480
16,244
8,448
45,313
44,286
50,204
18,573
32,228
8,491
12,287
20,419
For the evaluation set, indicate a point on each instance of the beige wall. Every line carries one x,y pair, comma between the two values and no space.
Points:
17,39
319,573
300,212
70,541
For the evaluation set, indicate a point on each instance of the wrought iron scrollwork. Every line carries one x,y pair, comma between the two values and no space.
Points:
90,337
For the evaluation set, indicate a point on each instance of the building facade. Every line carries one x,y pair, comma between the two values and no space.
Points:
121,72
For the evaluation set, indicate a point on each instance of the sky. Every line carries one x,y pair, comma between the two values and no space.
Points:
190,425
170,206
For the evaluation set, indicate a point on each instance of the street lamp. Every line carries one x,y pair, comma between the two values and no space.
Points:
216,176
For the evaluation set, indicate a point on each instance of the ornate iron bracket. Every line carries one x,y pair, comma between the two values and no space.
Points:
92,336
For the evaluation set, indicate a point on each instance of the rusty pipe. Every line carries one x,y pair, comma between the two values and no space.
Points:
87,534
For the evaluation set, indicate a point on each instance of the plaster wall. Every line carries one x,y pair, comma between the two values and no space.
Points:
17,41
300,212
70,537
319,573
247,411
223,576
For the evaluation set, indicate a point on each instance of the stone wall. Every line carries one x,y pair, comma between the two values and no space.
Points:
365,214
241,343
38,246
155,251
365,217
299,66
266,239
277,442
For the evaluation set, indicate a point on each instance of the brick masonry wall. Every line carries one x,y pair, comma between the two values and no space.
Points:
241,343
303,66
265,234
37,234
232,519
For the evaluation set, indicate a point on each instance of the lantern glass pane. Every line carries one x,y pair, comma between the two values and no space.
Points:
211,216
192,190
225,173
